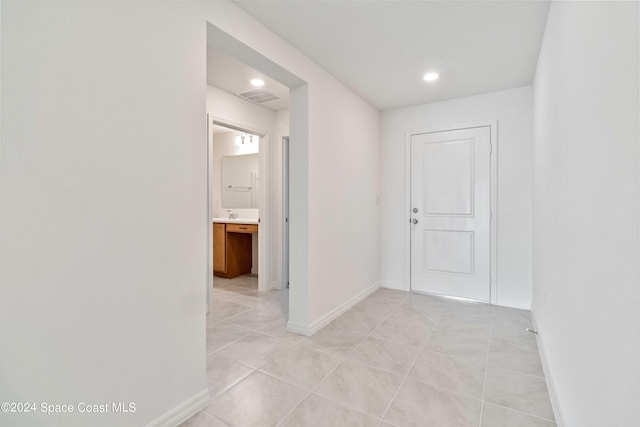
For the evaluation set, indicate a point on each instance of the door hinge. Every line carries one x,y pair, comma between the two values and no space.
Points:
490,214
490,148
258,220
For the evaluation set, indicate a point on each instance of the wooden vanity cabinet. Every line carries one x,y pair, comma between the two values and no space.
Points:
219,252
232,249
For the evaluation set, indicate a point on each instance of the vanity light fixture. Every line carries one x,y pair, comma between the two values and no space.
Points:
257,82
430,77
245,138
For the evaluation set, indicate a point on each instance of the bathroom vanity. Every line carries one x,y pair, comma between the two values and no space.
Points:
232,246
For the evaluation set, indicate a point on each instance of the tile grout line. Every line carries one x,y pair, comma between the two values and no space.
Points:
486,368
524,413
350,352
252,369
345,358
232,342
227,388
404,380
322,381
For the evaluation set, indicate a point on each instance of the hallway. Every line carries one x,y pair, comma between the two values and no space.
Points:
396,359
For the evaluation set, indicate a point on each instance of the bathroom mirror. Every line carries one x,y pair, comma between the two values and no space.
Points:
240,181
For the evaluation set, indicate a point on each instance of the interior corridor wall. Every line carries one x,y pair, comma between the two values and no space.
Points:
281,129
103,244
585,247
513,111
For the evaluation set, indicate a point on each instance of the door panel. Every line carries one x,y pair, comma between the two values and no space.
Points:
451,202
448,251
450,162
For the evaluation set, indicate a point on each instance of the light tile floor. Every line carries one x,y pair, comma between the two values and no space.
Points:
396,359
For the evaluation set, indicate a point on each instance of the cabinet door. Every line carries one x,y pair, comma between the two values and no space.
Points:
219,248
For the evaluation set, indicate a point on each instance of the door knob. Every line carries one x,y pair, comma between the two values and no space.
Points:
415,210
414,221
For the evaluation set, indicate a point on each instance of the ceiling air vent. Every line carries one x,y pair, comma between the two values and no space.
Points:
258,96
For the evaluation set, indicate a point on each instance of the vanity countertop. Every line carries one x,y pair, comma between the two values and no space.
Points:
236,220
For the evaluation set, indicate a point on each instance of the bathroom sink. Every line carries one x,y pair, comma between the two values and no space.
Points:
236,220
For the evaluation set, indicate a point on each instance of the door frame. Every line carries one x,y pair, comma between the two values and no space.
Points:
285,212
493,132
263,203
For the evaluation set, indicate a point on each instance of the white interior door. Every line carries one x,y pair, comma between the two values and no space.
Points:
451,213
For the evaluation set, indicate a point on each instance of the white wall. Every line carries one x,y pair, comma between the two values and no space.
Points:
281,129
586,288
235,110
344,158
103,248
102,223
513,111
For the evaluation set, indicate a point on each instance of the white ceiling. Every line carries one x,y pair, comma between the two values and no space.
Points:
217,129
381,49
231,75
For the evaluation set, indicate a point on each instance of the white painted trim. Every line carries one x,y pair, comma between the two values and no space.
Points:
493,128
512,304
639,180
183,411
407,210
240,127
546,368
264,256
315,326
284,276
299,328
493,131
274,285
209,215
396,286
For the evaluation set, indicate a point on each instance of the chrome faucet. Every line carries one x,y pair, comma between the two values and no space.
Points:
232,214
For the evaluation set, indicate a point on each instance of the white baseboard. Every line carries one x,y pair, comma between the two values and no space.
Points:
298,328
553,396
402,287
512,304
396,286
315,326
274,285
183,411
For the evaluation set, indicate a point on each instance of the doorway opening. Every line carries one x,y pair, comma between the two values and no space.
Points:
235,201
252,96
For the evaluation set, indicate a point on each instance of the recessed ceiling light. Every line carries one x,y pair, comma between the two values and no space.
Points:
431,77
257,82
